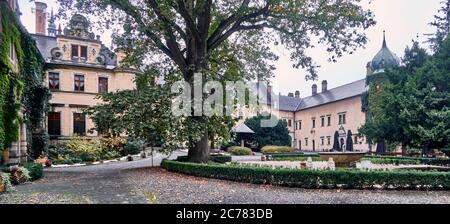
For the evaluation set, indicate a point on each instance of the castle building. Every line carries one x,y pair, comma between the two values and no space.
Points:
313,121
79,68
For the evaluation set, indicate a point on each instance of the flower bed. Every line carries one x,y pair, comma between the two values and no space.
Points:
315,178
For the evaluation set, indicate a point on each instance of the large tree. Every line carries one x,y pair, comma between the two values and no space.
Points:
190,36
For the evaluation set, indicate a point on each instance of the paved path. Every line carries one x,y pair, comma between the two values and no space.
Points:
136,182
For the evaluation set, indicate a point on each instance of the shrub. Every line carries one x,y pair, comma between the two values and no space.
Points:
220,158
239,151
36,170
304,178
270,149
213,158
5,182
86,150
133,147
112,146
19,175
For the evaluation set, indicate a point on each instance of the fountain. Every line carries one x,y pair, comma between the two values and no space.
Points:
342,159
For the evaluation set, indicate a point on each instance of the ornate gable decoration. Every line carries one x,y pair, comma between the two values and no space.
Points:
79,27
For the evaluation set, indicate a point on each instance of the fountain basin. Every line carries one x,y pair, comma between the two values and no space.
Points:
342,159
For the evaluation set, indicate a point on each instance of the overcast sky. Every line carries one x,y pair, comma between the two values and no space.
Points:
402,20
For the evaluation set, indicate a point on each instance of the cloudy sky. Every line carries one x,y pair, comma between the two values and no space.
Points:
403,20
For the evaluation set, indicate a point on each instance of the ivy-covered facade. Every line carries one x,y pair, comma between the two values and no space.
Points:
23,98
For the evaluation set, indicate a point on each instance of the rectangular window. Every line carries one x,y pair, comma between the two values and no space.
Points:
296,125
79,51
306,141
342,118
79,83
313,123
54,123
322,140
53,80
83,52
75,51
329,121
290,123
79,124
102,85
329,140
322,121
356,140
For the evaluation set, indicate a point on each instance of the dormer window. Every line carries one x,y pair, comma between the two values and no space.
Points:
79,51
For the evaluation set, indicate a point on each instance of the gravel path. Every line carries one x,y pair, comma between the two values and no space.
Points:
135,182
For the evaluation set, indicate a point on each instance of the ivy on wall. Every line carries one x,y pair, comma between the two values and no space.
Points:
21,89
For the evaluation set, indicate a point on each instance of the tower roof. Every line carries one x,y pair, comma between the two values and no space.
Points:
385,57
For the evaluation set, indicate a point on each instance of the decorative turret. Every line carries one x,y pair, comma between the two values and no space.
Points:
79,27
51,25
383,59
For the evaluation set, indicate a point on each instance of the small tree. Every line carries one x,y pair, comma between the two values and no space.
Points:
278,135
336,145
349,141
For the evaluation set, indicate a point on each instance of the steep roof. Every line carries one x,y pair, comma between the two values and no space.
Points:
339,93
45,44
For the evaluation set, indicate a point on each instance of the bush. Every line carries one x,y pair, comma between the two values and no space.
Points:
5,182
270,149
19,175
89,151
239,151
220,158
133,147
36,170
112,147
304,178
213,158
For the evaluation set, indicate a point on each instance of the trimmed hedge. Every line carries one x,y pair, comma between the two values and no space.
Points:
239,151
373,159
315,179
270,149
213,158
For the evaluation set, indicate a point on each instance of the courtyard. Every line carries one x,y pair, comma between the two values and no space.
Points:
137,182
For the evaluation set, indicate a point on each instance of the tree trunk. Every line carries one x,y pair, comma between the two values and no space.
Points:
199,152
403,150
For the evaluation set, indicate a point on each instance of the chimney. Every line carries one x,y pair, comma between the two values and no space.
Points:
324,86
297,94
314,89
41,12
290,95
